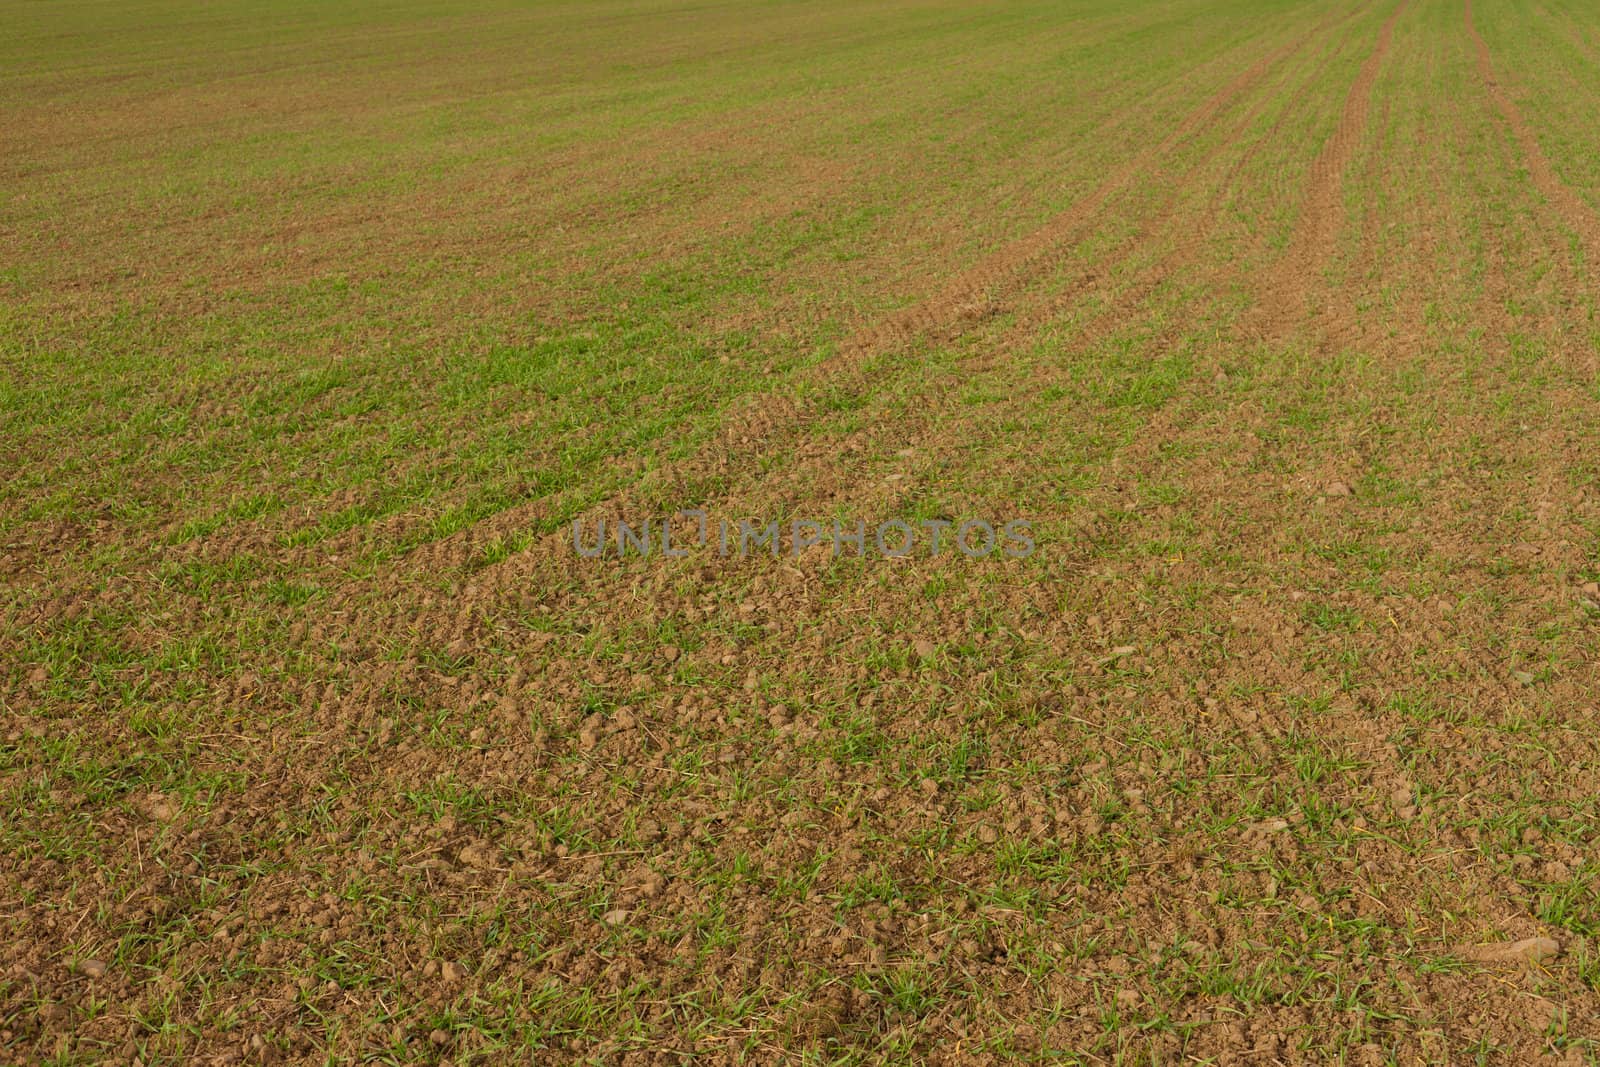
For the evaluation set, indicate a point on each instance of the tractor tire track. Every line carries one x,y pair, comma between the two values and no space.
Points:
1578,215
1288,303
1263,725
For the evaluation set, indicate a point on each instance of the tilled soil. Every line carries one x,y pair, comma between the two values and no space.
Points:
320,742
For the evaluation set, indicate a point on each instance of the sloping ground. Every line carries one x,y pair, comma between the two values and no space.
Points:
320,742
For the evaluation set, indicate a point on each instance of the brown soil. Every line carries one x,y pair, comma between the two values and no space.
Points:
1283,749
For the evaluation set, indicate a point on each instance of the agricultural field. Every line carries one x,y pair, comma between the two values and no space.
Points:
331,334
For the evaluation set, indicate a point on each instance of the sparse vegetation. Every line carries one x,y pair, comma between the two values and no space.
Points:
320,324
